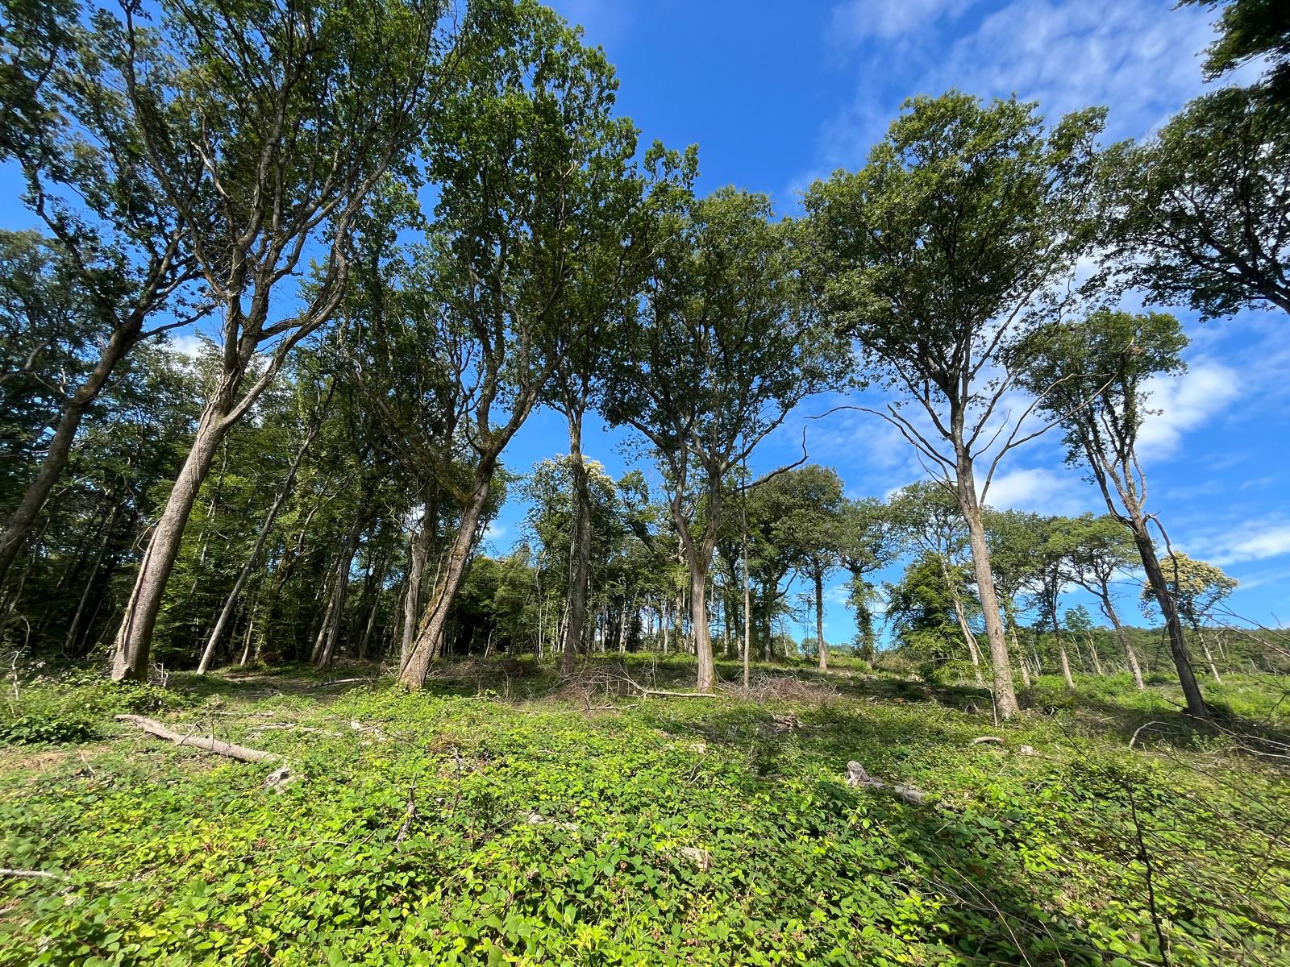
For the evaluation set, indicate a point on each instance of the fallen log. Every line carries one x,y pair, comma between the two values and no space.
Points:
857,776
239,752
993,739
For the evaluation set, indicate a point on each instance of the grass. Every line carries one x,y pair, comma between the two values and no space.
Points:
577,824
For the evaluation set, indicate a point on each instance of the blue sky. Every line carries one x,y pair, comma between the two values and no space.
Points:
777,94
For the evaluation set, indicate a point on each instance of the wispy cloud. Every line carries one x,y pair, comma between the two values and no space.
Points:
1184,403
1140,58
855,20
1041,490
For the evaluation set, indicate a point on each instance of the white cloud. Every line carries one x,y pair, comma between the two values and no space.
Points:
186,344
494,533
1250,541
854,20
1185,402
1040,490
1139,58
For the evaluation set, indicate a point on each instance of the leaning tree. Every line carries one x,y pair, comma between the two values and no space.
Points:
296,113
959,235
1092,376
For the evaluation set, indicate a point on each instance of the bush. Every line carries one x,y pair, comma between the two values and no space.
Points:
31,729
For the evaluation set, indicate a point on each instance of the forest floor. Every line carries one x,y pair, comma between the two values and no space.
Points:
502,817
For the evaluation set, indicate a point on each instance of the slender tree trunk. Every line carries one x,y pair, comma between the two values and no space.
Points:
1209,657
817,576
419,553
375,608
1123,638
231,601
968,637
340,590
73,632
1173,624
430,633
1010,614
747,592
1005,696
580,549
1092,648
60,446
134,637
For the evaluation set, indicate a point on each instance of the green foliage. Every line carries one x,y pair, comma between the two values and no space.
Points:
666,832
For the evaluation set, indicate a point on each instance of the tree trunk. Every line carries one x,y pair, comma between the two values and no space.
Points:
1066,665
818,577
419,554
430,633
73,632
1209,657
1123,638
699,625
134,637
60,447
1005,697
340,590
1173,624
227,612
968,637
580,549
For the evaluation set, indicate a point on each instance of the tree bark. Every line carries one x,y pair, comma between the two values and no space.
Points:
340,590
1123,638
818,577
231,601
430,633
580,548
1005,696
134,637
412,595
1173,624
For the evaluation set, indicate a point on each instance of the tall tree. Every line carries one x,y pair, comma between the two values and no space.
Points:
118,243
867,543
1197,587
297,113
958,236
1200,214
525,155
722,348
815,531
927,518
1092,375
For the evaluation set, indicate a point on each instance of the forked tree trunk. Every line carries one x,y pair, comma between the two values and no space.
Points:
430,631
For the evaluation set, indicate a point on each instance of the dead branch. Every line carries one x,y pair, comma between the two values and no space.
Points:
239,752
410,815
856,776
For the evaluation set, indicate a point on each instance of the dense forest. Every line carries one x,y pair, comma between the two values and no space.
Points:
286,281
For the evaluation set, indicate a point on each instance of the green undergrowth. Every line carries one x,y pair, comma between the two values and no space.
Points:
578,824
